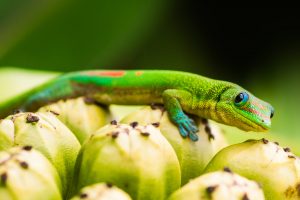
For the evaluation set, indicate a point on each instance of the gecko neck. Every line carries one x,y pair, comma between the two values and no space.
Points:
206,103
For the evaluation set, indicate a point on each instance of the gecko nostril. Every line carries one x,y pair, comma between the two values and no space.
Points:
272,112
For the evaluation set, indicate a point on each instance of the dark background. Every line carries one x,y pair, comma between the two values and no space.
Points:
228,43
257,48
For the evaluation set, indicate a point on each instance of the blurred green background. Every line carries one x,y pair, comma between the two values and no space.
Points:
257,48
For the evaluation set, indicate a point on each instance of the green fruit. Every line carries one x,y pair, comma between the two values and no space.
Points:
274,167
25,174
6,134
219,185
101,191
47,134
80,115
137,159
193,156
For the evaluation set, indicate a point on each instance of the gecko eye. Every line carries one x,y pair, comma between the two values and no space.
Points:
241,99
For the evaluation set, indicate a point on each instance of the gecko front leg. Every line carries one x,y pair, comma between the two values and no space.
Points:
173,100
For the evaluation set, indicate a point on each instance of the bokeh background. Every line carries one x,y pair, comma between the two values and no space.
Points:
257,48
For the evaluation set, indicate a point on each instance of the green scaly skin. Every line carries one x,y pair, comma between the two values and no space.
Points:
180,92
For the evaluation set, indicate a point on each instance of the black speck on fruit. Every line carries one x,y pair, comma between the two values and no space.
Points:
156,124
83,195
24,165
115,134
265,141
226,169
211,189
145,134
245,197
113,122
291,156
27,148
32,118
54,113
4,178
109,185
134,124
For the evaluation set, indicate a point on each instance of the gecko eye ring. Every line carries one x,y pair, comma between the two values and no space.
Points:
241,99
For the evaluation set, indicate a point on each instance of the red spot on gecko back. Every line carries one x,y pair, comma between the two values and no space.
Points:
107,73
138,73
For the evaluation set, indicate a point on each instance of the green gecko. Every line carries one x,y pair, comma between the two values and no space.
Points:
181,93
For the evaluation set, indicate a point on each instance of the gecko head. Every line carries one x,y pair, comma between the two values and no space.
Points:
240,108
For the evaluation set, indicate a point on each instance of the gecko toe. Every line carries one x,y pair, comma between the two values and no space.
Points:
187,127
193,137
183,131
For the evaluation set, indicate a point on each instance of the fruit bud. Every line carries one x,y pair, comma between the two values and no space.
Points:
274,167
193,156
137,159
47,134
26,174
82,116
219,185
101,191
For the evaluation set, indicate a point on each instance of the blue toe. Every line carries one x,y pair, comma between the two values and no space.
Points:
183,132
193,137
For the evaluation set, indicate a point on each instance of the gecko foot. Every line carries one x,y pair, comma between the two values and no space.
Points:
187,127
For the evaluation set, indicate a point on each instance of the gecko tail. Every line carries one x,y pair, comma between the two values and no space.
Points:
11,106
39,96
19,103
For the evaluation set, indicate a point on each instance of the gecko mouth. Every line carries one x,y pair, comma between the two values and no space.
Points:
252,125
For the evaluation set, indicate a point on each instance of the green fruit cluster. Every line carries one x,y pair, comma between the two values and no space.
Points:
75,150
